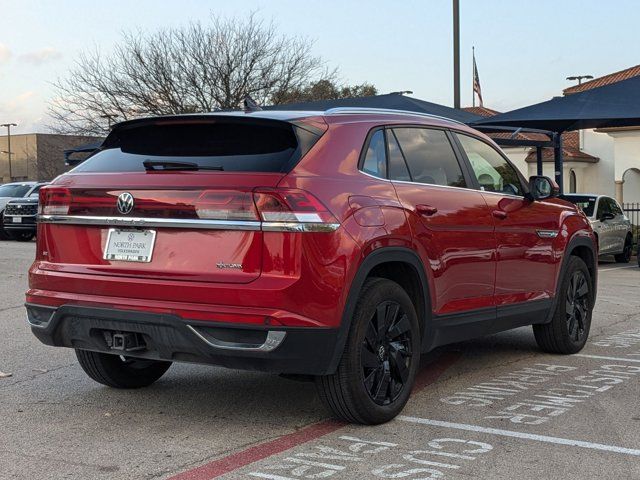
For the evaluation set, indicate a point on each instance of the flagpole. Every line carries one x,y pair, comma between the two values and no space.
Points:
473,74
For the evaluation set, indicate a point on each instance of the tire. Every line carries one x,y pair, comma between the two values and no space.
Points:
375,376
569,328
22,236
120,372
625,256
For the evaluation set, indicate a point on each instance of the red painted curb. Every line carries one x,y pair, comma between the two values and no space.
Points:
232,462
259,452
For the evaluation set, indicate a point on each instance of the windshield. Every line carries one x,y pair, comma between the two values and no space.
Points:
14,190
583,202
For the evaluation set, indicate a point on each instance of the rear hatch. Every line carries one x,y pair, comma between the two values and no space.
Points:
180,198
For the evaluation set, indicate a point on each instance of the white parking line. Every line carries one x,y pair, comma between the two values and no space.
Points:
602,270
522,435
613,359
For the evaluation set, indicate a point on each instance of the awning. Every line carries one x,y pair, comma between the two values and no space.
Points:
614,105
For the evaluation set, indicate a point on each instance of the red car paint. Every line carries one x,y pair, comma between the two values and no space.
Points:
479,249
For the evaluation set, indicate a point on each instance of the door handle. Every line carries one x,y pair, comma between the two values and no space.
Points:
426,210
499,214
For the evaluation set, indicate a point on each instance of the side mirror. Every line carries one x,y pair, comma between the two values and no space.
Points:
607,216
542,188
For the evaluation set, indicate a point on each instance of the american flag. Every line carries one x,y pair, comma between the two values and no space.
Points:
476,80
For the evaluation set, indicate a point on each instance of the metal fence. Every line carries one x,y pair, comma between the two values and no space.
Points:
632,211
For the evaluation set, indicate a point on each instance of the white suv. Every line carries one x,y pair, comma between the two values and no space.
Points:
611,226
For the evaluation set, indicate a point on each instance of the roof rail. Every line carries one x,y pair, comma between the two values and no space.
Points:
384,111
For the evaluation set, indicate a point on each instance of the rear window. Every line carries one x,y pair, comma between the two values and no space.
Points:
228,145
583,202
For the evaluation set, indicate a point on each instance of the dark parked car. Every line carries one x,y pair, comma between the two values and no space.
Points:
19,219
338,245
16,190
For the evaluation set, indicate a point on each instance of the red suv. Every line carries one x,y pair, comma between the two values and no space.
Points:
339,245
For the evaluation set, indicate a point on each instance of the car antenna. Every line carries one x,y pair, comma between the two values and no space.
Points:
250,105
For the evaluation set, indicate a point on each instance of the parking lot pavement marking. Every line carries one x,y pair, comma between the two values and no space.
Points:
522,435
603,270
613,359
228,464
259,452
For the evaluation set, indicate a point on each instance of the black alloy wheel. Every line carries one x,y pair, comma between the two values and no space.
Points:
386,353
377,370
568,328
577,305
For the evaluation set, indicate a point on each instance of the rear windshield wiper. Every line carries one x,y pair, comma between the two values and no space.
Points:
160,165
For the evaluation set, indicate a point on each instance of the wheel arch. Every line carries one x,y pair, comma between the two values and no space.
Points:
583,247
398,264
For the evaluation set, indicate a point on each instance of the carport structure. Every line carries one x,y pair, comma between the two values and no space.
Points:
393,101
609,106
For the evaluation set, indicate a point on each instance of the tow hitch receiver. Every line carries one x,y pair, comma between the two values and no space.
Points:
124,341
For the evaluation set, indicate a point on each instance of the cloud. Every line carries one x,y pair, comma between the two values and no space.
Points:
5,53
39,57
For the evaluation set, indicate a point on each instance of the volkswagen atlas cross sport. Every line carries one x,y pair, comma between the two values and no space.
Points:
337,245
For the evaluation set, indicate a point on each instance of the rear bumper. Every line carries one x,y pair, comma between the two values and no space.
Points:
277,349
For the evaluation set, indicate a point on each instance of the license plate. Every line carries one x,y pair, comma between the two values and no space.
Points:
17,219
129,245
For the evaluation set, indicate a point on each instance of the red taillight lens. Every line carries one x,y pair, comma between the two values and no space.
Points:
226,205
301,210
54,201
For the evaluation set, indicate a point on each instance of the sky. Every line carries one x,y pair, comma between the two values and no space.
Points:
524,49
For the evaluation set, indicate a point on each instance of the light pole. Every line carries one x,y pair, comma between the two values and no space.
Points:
456,53
579,78
9,153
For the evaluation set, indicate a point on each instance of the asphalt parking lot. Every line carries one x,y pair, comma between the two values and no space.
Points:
490,408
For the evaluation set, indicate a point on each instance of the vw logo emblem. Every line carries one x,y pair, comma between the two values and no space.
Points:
125,203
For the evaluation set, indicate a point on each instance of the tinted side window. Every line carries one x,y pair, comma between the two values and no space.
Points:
493,172
603,207
615,208
375,160
430,156
397,166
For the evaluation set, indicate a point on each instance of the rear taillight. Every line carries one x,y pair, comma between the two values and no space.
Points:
292,210
226,205
54,201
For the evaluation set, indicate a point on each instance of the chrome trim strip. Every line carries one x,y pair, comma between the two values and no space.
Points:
273,341
547,233
151,222
299,227
190,223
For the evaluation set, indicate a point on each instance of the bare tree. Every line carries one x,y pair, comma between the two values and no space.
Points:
197,68
324,89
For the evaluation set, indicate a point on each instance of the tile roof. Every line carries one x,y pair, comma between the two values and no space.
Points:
482,111
570,151
604,80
